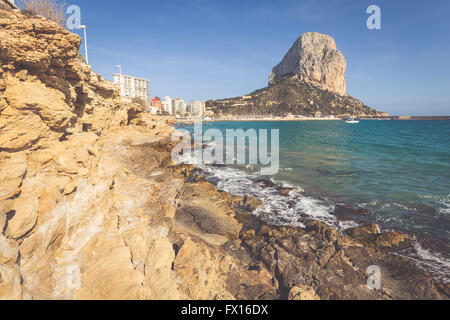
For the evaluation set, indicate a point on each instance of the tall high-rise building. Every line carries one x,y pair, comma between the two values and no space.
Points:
132,87
169,105
197,108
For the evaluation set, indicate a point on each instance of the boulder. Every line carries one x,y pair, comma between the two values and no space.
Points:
364,232
392,239
48,103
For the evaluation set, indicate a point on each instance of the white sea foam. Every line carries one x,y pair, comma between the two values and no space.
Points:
443,202
429,261
277,209
403,207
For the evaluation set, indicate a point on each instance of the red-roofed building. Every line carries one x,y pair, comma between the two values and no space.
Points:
156,103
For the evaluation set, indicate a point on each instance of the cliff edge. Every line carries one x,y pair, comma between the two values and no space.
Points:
90,201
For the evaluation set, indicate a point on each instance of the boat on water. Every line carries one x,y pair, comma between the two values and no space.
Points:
351,120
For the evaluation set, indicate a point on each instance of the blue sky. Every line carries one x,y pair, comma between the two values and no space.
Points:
206,49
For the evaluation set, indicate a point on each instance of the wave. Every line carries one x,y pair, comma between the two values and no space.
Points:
287,209
442,202
432,262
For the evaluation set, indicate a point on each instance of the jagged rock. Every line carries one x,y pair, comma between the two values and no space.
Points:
208,214
48,103
10,288
392,239
286,191
248,202
199,267
315,58
303,293
364,232
23,39
5,208
9,250
21,131
210,273
12,172
252,203
26,211
320,263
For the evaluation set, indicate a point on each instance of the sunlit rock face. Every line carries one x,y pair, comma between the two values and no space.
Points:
316,59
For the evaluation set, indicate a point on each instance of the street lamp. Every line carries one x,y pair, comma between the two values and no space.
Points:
85,43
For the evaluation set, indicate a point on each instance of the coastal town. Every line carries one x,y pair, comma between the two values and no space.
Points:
138,90
133,89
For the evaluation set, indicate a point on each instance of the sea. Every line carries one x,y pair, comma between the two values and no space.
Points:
394,173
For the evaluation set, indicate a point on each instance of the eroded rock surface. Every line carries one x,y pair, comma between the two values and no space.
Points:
316,59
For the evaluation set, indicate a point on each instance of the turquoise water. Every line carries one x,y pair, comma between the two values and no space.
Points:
398,170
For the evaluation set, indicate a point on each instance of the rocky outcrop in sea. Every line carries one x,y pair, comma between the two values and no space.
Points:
93,207
315,58
309,81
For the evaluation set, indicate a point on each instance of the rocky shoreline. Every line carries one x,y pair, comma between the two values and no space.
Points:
92,206
318,262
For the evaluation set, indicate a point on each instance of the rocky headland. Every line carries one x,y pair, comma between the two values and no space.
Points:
92,206
315,58
309,81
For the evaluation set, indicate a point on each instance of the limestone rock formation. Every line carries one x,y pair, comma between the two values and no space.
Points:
309,81
92,206
316,59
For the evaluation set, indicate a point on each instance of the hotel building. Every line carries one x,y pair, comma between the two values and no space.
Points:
169,105
197,108
132,87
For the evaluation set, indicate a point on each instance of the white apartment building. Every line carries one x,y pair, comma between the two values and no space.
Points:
132,87
169,105
197,108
